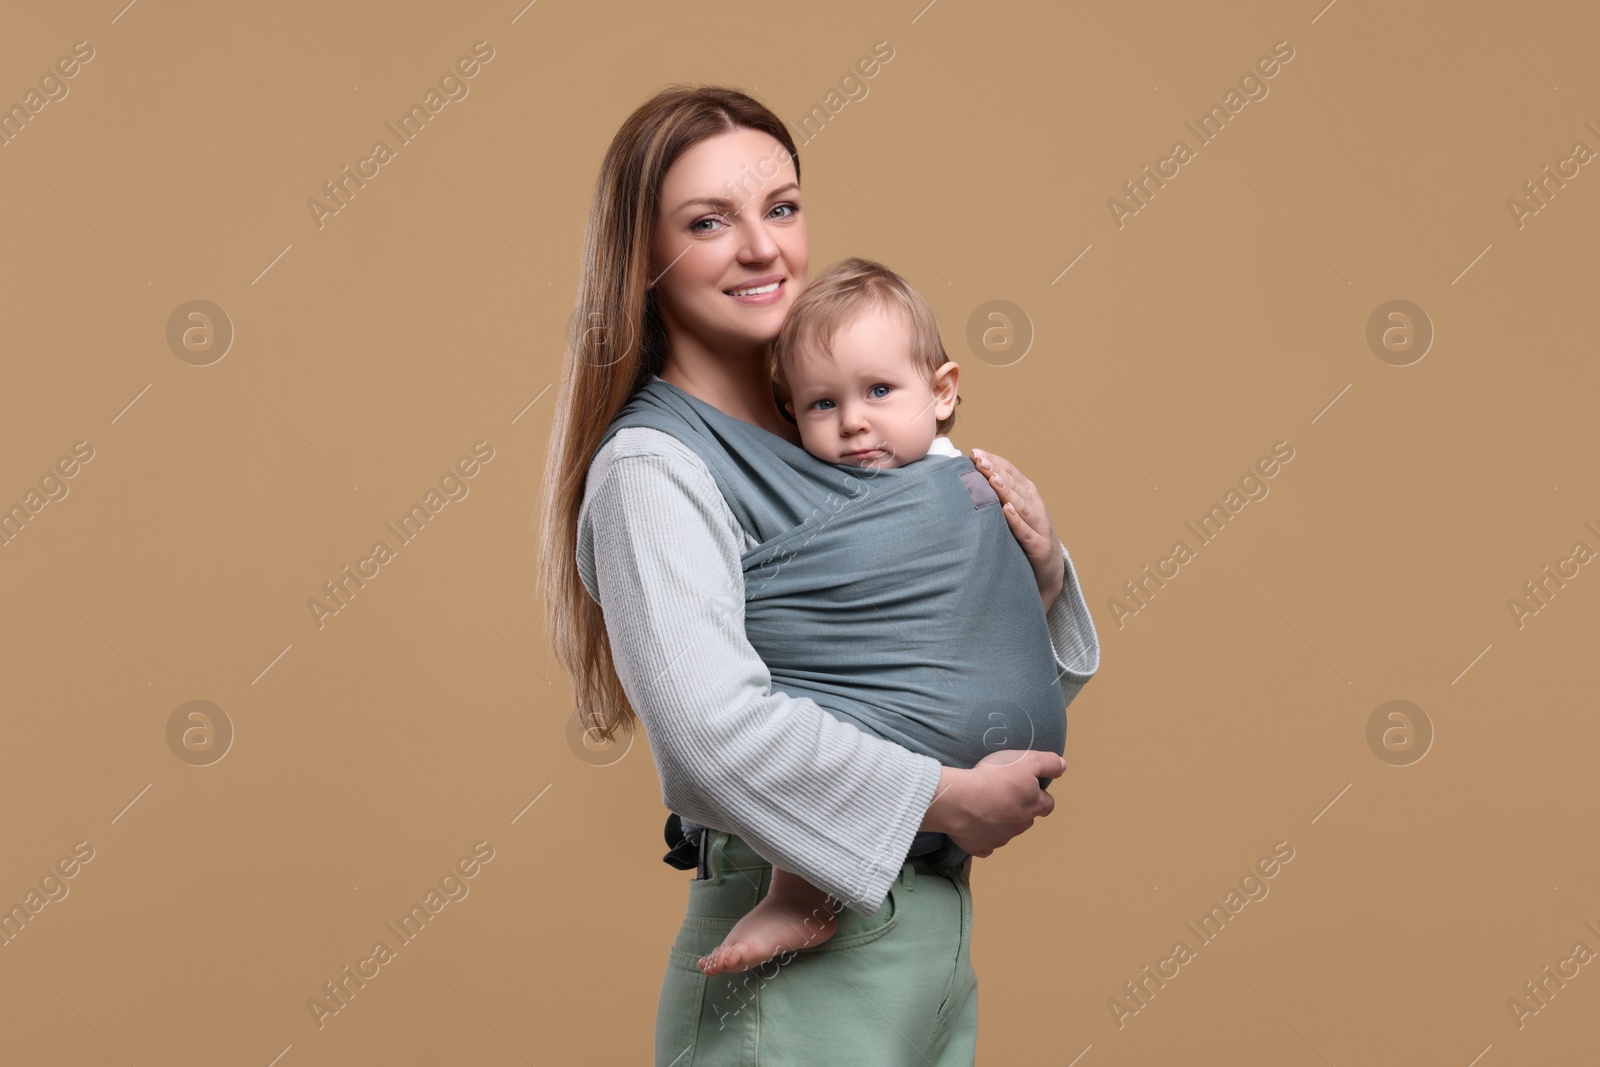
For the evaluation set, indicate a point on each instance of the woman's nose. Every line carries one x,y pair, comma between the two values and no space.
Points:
758,246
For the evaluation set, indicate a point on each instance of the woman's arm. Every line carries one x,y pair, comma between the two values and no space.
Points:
809,792
1072,634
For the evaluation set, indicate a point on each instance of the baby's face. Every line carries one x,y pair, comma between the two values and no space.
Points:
868,405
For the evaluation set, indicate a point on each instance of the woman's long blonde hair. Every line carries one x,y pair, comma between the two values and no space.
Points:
615,342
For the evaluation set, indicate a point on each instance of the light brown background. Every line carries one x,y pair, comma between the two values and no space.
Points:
1227,315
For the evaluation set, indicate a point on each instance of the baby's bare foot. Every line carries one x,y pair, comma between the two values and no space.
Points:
793,915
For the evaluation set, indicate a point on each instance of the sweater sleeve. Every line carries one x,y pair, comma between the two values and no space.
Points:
660,552
1072,634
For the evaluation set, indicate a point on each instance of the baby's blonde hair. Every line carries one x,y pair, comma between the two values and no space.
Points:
835,297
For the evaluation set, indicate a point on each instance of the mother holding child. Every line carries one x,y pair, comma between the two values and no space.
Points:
851,647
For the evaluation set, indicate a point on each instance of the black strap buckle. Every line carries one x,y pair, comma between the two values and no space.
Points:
685,852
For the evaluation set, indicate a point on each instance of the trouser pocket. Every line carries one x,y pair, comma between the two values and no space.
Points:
958,1008
700,1021
683,991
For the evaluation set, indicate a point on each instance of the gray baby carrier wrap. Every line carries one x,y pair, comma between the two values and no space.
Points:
897,599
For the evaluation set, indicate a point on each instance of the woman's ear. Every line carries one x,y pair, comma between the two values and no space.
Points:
945,382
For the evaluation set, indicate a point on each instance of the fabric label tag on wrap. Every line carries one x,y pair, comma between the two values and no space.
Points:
979,489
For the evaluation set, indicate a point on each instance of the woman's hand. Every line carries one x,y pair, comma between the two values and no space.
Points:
983,808
1030,522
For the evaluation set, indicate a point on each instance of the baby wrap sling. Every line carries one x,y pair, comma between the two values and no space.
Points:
897,599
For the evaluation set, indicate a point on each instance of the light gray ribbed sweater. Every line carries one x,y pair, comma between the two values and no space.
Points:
659,550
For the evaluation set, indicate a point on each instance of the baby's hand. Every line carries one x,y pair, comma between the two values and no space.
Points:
1030,522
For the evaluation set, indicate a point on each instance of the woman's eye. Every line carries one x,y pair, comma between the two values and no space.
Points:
695,226
792,209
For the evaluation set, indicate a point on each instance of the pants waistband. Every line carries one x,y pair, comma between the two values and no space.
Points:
721,852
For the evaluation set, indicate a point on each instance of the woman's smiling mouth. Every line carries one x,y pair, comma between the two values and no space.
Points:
759,291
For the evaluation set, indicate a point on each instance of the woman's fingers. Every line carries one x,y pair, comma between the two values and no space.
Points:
996,465
1011,499
1021,527
997,799
1015,489
988,461
1028,518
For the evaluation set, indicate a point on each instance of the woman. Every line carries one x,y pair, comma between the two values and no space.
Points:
695,248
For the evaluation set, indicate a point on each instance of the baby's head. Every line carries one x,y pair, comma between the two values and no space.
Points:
860,368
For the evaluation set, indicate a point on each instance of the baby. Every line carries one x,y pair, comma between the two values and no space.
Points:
861,370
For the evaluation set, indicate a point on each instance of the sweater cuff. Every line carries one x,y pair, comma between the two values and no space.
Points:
889,859
1072,634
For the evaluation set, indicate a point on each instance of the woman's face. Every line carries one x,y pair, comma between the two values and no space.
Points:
730,222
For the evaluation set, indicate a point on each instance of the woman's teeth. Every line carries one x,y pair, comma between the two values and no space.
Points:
769,287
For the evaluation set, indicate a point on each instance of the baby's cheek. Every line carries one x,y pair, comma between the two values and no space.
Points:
913,441
809,437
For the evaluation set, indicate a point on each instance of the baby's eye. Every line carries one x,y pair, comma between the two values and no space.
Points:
822,405
874,391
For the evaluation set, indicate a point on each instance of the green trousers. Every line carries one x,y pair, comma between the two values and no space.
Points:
894,989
